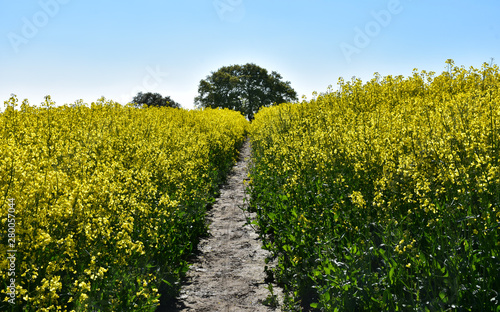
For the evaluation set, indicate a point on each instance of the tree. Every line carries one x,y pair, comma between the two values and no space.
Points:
244,88
154,99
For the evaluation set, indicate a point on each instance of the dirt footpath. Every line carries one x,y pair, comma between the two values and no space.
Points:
228,273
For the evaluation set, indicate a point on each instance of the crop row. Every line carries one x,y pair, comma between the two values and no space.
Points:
109,200
384,196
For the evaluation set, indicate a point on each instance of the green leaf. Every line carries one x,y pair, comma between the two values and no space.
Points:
443,297
391,275
271,216
326,296
327,270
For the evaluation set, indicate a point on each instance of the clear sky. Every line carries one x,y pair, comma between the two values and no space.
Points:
76,49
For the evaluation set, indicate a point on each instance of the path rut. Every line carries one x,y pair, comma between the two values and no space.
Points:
228,272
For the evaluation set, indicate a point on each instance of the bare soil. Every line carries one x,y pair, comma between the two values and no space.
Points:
228,271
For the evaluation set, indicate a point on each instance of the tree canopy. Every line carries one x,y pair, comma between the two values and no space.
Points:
244,88
154,99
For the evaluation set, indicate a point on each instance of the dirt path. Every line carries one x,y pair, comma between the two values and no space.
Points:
228,274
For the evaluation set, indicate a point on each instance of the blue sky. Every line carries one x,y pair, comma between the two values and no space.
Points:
75,49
